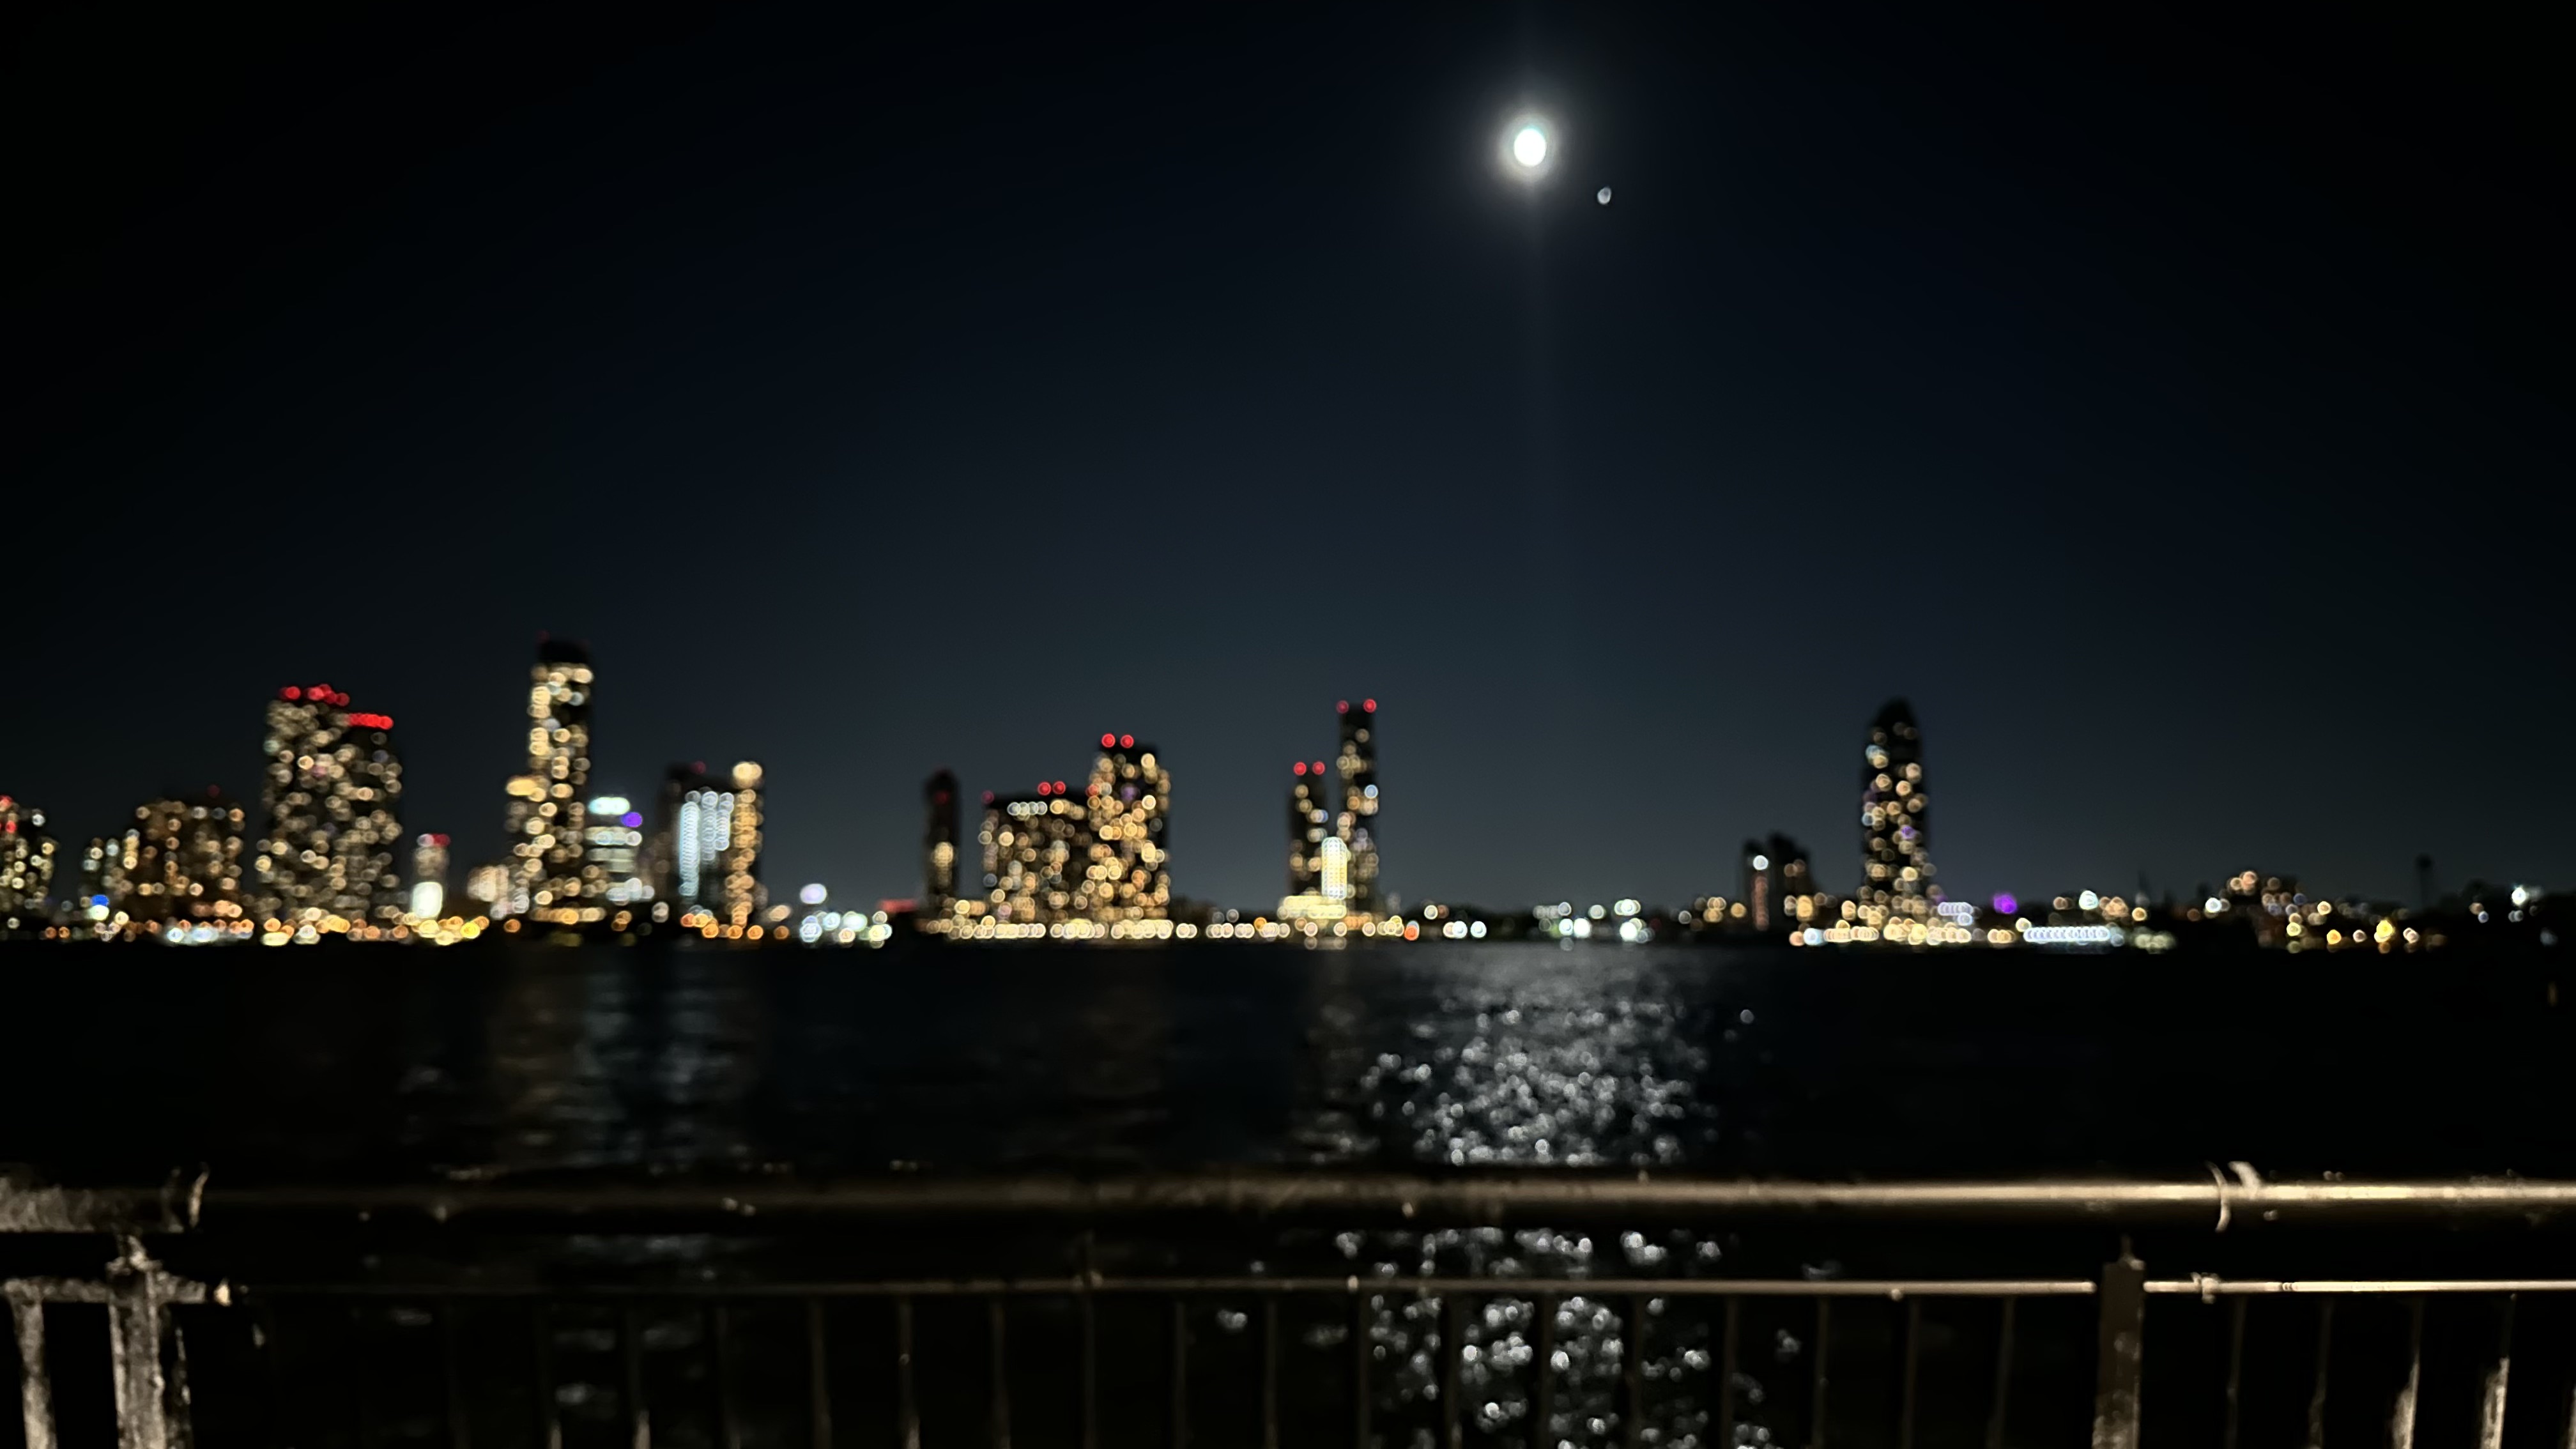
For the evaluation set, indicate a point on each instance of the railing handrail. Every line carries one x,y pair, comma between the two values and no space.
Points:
1350,1197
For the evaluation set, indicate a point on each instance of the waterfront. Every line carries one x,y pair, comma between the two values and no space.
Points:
385,1064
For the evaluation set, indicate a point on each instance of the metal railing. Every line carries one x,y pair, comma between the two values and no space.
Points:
1444,1333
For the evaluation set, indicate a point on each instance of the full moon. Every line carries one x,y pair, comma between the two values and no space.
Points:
1529,145
1605,196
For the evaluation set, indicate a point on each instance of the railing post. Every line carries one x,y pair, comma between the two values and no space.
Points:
35,1385
2123,1340
134,1310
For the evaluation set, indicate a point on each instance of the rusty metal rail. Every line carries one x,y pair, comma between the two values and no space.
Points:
2223,1199
150,1360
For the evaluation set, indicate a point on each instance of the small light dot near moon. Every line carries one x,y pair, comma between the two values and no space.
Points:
1529,146
1605,196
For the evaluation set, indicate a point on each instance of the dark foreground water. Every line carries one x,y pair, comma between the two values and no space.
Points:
390,1064
403,1063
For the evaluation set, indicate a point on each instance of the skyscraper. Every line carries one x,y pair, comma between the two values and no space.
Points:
1031,844
429,877
181,861
706,844
26,863
333,801
1895,821
1356,825
612,852
1125,846
939,848
1777,881
1307,822
546,814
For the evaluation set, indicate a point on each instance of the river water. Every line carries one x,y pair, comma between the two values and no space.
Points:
360,1064
405,1063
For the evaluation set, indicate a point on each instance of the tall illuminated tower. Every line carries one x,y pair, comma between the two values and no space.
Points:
26,863
1895,822
939,847
612,851
181,861
706,845
429,877
1307,822
333,804
1125,842
546,811
1356,824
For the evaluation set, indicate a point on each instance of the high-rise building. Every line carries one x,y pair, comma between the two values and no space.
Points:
180,861
613,852
429,877
26,864
706,844
1896,823
1778,883
546,812
1031,846
1126,869
1308,821
1356,824
333,802
939,848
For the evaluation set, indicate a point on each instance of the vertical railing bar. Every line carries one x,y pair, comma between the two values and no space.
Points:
1088,1249
2317,1397
135,1308
720,1374
361,1411
1090,1368
2401,1413
1632,1375
818,1377
907,1413
549,1416
1270,1372
1728,1347
1913,1342
2002,1398
1824,1339
1180,1373
264,1337
177,1415
1001,1426
2491,1390
451,1378
1452,1318
2235,1369
1362,1320
35,1384
1543,1376
2120,1351
639,1419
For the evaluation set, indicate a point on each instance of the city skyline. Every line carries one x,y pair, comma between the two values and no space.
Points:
635,855
2167,421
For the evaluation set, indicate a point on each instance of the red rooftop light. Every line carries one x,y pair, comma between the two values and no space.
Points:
1299,767
1042,789
1369,705
1319,767
290,692
1059,787
1126,742
1343,708
1107,740
988,797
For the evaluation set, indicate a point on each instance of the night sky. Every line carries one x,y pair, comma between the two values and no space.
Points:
2175,409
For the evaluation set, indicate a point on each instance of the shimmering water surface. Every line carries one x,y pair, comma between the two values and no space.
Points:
327,1065
391,1063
